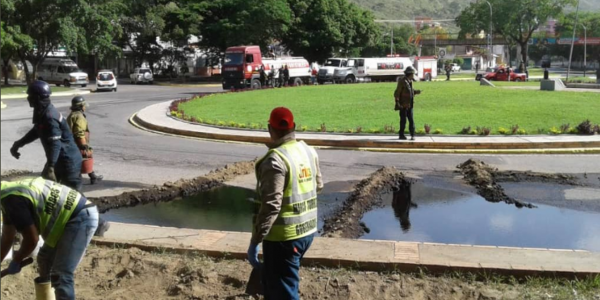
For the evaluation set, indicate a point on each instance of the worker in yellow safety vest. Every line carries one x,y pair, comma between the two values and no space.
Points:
61,216
288,179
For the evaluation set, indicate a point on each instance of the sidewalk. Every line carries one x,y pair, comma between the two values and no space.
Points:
368,255
155,118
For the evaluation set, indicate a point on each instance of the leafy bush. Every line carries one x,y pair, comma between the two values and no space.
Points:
564,128
597,128
585,127
375,130
542,131
473,132
323,128
514,129
359,129
465,130
522,131
502,130
420,131
573,131
555,130
254,126
427,128
350,130
242,125
220,123
483,131
389,129
304,128
233,124
438,131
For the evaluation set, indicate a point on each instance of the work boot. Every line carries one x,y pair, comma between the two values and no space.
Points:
95,178
412,137
103,227
403,137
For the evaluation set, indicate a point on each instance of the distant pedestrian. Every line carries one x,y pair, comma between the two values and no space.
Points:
477,68
507,73
404,97
273,76
286,75
448,69
314,73
281,77
263,76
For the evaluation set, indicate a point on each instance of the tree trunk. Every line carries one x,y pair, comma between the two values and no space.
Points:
524,48
5,69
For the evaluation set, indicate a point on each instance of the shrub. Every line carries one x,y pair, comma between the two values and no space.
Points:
193,120
585,127
388,129
304,128
522,131
359,129
420,131
334,129
427,128
242,125
473,132
261,126
555,130
220,123
254,126
375,130
597,128
323,128
232,124
514,129
438,131
350,130
173,113
483,130
573,131
502,130
465,130
542,131
564,128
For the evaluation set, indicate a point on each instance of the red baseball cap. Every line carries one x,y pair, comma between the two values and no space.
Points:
281,119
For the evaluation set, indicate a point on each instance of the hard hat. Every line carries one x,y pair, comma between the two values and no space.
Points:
409,70
78,102
39,88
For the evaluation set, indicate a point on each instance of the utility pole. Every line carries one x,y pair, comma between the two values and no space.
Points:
491,43
392,43
573,40
584,49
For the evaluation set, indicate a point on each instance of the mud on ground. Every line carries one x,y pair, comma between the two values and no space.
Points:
346,223
117,274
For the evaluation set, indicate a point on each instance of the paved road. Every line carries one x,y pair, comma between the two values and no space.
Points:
130,158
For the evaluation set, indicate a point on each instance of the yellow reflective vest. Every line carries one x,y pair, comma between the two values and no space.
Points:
298,215
53,204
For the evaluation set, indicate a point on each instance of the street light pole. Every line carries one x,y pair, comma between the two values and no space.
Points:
573,40
584,49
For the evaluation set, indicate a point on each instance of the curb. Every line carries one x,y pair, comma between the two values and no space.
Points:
61,94
187,85
390,147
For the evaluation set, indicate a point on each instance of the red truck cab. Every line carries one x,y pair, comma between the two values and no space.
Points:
241,66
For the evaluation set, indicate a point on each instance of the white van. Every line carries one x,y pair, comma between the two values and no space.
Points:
62,71
372,69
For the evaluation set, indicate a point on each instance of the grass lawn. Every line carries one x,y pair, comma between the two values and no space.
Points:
448,106
12,90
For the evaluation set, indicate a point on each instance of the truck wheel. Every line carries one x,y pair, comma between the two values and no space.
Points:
67,83
256,84
58,84
350,79
298,82
83,85
518,79
320,82
427,77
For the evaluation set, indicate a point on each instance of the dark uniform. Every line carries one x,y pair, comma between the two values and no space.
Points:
63,160
448,70
78,123
405,97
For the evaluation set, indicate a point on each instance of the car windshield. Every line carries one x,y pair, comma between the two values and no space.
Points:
105,76
332,63
234,59
71,69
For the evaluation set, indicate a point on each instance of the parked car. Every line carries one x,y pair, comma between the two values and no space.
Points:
141,75
455,67
500,74
106,80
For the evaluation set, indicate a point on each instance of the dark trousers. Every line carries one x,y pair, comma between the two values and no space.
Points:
69,174
281,278
447,76
407,114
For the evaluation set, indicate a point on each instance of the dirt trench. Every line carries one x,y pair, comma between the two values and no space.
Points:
175,190
345,223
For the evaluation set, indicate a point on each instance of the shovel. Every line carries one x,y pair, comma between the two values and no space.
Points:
255,287
24,264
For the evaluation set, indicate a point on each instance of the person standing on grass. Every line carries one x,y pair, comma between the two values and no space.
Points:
405,97
448,70
288,180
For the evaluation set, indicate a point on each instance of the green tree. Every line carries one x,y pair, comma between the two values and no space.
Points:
591,20
40,27
321,28
516,20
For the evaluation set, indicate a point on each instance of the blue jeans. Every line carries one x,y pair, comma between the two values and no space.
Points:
59,264
281,279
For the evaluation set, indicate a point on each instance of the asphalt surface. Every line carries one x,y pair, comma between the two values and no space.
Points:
130,158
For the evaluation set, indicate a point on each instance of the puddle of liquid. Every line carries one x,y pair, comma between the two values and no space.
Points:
422,213
225,209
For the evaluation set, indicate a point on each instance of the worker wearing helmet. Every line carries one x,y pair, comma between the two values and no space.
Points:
405,96
63,160
63,217
79,127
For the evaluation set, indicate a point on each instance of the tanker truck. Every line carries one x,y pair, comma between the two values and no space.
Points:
241,68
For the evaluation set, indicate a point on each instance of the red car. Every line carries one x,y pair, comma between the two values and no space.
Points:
500,74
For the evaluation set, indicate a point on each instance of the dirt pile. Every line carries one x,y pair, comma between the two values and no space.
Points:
174,190
346,223
482,177
528,176
14,174
117,274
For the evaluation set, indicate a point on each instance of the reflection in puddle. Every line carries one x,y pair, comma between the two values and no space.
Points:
425,214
